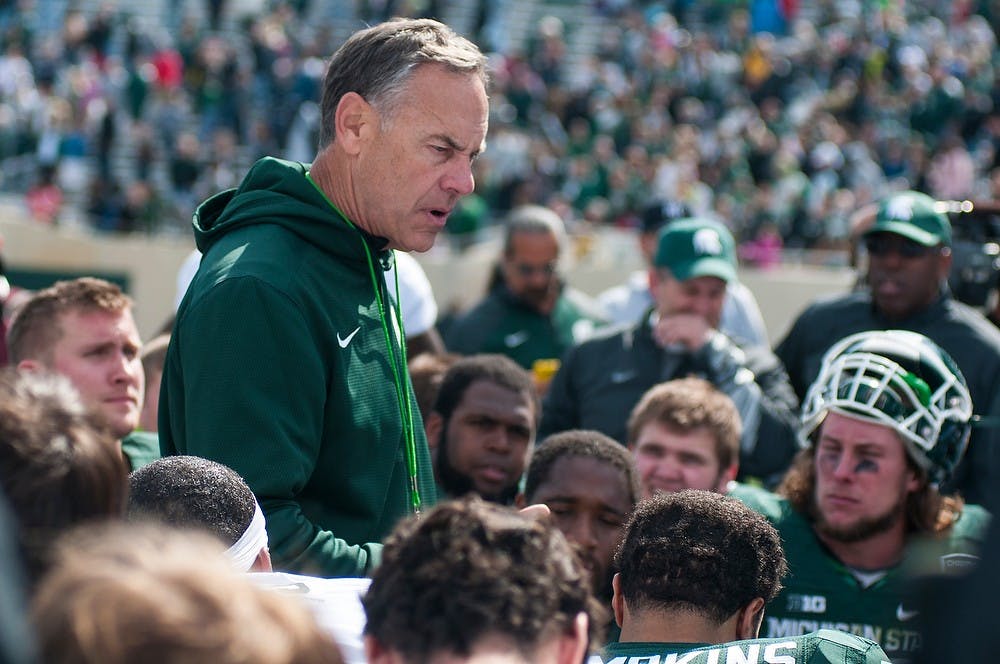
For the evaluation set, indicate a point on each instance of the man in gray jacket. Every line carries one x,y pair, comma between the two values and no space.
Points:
601,379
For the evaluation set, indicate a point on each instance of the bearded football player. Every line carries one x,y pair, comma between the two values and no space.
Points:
860,512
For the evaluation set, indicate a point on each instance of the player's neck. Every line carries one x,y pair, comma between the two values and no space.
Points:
676,627
879,551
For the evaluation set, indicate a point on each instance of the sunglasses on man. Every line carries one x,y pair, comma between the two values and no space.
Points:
882,244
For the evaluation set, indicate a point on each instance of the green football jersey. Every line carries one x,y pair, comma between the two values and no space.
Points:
820,592
824,646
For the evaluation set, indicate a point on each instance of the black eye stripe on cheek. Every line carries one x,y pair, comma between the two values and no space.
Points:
866,466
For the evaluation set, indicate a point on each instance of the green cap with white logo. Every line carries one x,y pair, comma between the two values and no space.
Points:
697,247
915,216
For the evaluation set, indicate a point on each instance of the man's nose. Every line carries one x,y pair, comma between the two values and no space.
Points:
582,532
460,179
126,369
845,467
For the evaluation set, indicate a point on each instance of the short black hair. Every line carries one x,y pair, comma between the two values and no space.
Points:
188,491
498,369
580,443
699,551
467,570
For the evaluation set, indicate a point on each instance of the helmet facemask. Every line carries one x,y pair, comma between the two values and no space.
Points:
900,380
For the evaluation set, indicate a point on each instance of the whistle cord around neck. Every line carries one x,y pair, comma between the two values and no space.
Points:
399,378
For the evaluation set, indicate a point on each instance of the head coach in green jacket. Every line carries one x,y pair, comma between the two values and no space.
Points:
286,362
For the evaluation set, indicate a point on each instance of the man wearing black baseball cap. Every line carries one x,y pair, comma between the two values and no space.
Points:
601,379
909,258
627,302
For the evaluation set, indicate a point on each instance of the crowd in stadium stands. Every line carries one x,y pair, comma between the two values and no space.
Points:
781,118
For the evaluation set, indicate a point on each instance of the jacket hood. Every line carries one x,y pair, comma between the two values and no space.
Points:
275,191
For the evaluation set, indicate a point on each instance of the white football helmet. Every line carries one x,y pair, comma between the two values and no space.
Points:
900,379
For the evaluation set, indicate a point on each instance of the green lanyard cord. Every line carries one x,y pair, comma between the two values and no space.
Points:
402,393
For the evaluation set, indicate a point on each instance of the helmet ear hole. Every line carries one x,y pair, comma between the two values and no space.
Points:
902,380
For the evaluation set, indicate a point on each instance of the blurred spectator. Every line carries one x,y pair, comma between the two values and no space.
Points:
530,313
740,319
45,198
159,595
153,354
601,379
426,371
755,81
59,467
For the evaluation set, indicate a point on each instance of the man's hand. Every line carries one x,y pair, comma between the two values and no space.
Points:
537,511
688,330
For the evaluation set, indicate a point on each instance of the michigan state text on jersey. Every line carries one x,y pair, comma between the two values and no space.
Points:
824,646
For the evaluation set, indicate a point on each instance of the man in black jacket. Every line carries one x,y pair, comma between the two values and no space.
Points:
602,379
909,258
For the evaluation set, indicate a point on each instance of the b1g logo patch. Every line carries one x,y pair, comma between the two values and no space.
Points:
958,562
807,603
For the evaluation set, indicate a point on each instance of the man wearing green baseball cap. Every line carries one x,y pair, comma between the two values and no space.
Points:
908,245
909,254
601,379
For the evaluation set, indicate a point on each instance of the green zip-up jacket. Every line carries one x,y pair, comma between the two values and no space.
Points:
282,367
502,323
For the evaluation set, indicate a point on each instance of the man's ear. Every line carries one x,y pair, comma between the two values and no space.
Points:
914,480
352,121
750,618
944,265
30,365
376,653
617,599
573,646
262,563
653,277
433,426
727,476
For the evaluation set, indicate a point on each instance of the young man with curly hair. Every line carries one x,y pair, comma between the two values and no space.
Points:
475,582
696,570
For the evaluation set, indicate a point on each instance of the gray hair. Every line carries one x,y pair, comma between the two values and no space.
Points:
379,61
526,219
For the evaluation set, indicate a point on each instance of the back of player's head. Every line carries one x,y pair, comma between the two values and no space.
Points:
698,551
58,465
150,593
36,328
192,492
497,369
467,571
687,404
585,444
